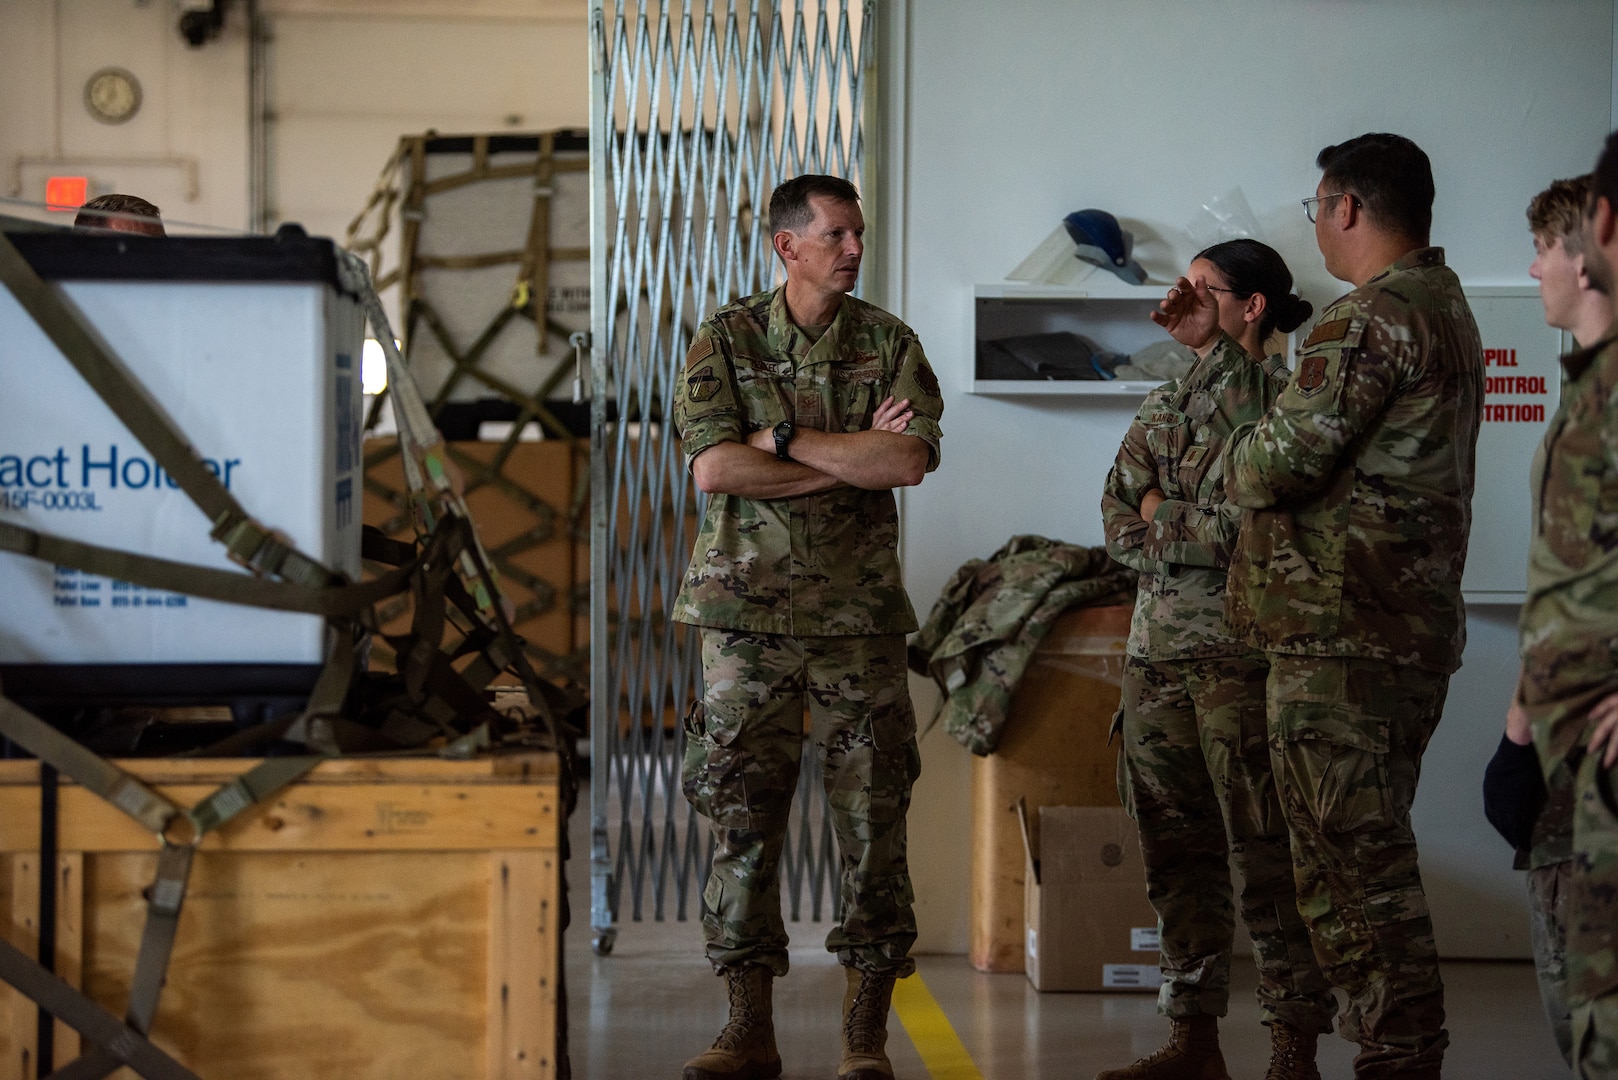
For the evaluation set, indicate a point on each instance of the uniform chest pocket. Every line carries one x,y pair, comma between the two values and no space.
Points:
1168,437
765,389
1578,515
1579,501
1199,469
855,393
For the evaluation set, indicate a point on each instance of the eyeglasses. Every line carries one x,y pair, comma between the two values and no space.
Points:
1232,292
1310,204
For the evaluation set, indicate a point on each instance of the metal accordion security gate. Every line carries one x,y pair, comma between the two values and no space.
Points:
698,109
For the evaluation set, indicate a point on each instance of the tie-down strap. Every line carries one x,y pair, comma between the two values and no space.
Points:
326,599
116,1039
164,899
152,811
158,814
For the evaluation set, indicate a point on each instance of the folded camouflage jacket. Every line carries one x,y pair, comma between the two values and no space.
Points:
991,617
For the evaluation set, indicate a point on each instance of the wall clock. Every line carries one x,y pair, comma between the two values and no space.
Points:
112,95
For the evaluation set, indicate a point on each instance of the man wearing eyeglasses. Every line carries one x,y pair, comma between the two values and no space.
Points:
1348,574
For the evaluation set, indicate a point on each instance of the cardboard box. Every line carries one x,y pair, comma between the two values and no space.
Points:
1089,925
1054,753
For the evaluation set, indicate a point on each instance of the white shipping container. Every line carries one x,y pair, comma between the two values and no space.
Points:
253,351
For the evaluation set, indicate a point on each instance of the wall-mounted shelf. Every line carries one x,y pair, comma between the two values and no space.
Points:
1063,387
1114,316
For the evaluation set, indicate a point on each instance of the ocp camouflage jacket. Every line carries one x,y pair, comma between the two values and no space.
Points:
1360,479
822,564
1176,445
1569,622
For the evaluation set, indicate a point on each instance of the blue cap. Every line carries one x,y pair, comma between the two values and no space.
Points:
1101,240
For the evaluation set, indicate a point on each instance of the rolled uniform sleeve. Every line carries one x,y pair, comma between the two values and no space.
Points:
1337,391
1193,534
706,407
914,379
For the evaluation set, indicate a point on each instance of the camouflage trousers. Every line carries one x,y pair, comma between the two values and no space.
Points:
741,769
1548,888
1592,921
1346,740
1196,777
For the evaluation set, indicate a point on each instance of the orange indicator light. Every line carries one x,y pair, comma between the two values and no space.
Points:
66,192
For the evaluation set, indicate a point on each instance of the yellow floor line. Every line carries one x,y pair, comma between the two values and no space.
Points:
940,1048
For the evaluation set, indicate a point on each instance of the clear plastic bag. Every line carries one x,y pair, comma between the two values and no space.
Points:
1225,217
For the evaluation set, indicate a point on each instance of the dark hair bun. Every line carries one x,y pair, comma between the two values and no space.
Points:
1291,312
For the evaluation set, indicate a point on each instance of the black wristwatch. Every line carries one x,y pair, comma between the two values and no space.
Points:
783,438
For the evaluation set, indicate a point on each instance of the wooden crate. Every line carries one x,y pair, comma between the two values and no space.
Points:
1054,753
379,919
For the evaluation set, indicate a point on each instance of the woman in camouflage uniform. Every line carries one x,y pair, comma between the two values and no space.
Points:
1195,770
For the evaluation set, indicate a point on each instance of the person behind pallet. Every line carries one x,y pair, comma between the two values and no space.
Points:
1195,770
1347,574
800,409
120,213
1569,621
1534,819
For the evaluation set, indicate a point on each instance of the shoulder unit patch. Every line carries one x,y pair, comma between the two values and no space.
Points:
926,379
1311,375
702,386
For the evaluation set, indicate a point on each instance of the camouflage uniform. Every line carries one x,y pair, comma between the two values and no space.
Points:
1550,876
1195,768
1568,629
801,603
1348,574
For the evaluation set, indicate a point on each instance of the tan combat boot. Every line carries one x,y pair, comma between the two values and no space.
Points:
745,1049
1292,1053
865,1027
1191,1054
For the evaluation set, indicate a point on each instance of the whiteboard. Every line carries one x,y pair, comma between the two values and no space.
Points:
1523,375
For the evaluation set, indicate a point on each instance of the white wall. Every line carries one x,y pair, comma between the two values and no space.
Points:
194,107
343,90
1020,113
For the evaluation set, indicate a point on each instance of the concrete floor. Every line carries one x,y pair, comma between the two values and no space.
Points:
638,1013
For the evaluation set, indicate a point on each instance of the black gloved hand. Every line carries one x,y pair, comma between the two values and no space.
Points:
1513,792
